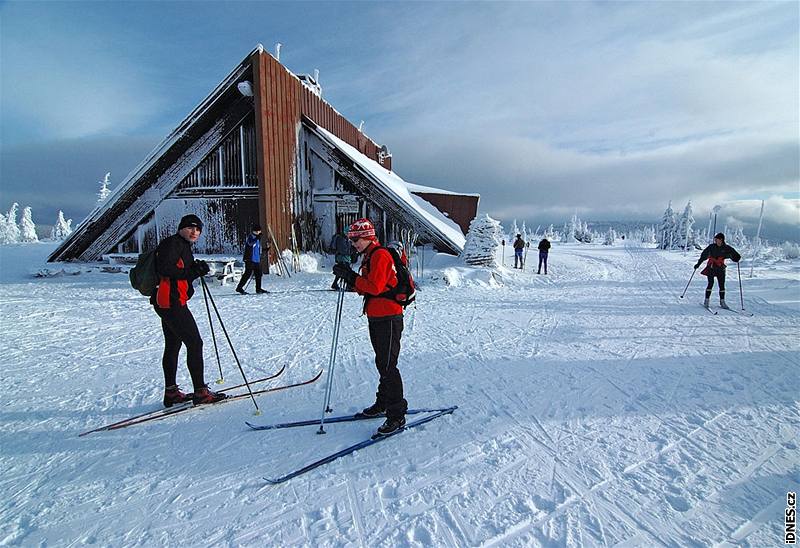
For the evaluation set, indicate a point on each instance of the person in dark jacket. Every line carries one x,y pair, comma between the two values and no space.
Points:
716,254
377,275
177,269
343,253
544,249
519,248
252,261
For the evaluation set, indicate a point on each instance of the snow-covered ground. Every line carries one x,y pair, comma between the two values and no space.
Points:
595,408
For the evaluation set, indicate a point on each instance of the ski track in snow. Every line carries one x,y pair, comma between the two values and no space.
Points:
595,408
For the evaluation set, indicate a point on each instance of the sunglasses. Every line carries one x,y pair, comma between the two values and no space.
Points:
354,240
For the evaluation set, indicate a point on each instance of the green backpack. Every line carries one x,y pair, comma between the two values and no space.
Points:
144,277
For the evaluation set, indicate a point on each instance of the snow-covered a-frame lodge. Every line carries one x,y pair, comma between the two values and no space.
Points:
264,147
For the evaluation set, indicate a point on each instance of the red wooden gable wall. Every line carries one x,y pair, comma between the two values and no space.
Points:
280,102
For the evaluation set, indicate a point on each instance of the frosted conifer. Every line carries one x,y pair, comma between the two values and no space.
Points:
12,230
104,190
483,239
685,237
666,232
62,228
27,227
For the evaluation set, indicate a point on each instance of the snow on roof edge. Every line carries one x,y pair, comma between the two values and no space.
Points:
413,187
399,188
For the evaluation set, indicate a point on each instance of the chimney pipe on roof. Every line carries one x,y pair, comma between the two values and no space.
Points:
316,76
278,51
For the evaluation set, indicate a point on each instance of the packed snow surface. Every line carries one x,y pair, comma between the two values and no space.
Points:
595,408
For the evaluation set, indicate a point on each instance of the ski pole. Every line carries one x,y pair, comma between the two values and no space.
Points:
337,320
222,324
741,294
687,283
221,378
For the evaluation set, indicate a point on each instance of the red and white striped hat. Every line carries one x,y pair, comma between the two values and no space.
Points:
362,228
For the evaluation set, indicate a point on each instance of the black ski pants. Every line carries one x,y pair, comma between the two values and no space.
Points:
180,328
385,333
253,268
720,276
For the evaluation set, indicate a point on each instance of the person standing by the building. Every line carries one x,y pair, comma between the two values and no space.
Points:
252,261
716,254
544,249
343,253
177,269
519,249
385,316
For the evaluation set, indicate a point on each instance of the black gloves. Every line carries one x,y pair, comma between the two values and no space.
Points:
199,268
346,273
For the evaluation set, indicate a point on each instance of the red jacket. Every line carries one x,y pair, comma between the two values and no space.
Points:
378,275
173,261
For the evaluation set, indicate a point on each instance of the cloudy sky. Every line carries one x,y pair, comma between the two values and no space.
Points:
606,109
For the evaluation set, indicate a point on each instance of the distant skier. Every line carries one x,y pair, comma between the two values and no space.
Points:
716,254
343,253
385,316
252,261
177,269
544,249
519,249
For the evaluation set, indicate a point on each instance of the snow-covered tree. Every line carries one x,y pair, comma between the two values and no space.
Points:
5,236
11,229
586,234
104,190
483,239
567,234
514,231
738,239
685,234
667,229
610,237
550,232
27,227
62,228
524,232
649,235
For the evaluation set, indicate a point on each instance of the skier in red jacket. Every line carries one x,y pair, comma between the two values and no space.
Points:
385,316
177,269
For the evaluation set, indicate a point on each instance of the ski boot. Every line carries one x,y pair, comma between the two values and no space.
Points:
173,395
705,302
374,410
392,424
204,395
723,304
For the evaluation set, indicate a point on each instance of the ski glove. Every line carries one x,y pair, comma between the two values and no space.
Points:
346,273
697,266
199,268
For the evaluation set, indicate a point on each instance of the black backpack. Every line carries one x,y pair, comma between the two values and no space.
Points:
143,276
404,293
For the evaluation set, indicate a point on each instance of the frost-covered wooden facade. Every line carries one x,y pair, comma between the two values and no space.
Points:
262,147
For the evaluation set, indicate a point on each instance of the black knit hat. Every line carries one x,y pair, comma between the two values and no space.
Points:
256,228
720,235
190,220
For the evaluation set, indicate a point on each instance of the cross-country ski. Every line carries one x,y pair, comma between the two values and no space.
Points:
375,438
